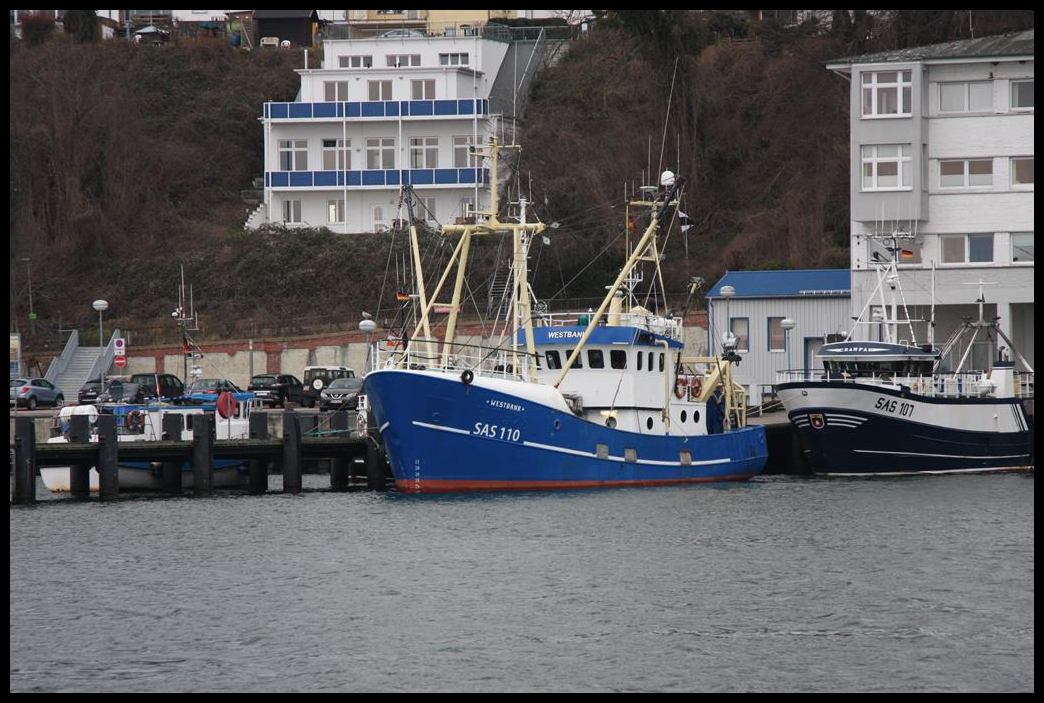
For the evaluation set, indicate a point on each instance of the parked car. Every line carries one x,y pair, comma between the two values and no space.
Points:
90,391
341,394
211,387
164,386
120,391
276,388
316,378
33,392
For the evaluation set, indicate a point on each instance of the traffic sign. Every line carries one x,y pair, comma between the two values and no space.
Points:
119,346
120,362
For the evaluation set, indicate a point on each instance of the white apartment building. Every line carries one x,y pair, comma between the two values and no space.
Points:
942,148
379,113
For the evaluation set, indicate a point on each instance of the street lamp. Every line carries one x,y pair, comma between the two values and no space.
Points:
368,326
728,339
101,306
787,325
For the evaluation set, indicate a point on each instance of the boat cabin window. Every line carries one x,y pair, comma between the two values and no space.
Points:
577,364
595,359
661,362
640,357
618,359
553,360
651,355
905,367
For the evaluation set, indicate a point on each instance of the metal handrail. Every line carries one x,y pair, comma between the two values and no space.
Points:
104,361
944,385
61,362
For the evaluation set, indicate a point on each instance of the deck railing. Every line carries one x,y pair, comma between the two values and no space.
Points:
974,384
493,362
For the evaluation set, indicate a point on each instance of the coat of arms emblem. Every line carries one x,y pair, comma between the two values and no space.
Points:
818,421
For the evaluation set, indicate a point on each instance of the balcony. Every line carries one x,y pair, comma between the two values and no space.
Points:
375,110
377,178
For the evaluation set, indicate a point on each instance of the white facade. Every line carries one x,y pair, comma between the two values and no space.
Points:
376,114
942,148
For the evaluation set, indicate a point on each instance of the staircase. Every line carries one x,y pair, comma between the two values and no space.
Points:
498,291
256,218
75,374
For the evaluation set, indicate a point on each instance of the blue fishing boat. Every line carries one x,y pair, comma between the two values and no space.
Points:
572,400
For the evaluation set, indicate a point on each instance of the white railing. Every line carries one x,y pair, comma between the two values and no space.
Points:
957,385
491,362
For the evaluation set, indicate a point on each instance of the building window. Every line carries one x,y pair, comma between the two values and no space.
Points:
335,91
356,62
1022,95
966,248
887,94
428,208
966,173
1022,171
379,90
1022,247
462,155
965,97
293,154
739,327
453,59
380,153
424,152
402,60
618,358
292,211
422,90
337,155
777,339
335,210
887,167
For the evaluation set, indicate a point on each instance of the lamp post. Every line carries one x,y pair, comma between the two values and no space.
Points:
787,325
101,306
368,326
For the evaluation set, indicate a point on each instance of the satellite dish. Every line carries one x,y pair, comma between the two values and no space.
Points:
667,179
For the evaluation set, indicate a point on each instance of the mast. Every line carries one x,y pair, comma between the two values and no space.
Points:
636,255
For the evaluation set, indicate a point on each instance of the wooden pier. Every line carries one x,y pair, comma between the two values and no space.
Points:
288,453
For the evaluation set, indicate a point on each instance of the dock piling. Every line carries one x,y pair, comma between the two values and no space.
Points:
25,461
80,471
258,467
339,465
173,427
203,454
108,458
291,452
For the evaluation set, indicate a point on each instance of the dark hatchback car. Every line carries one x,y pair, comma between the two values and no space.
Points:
276,389
341,394
163,385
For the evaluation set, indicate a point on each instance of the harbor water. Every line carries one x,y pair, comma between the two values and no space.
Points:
778,584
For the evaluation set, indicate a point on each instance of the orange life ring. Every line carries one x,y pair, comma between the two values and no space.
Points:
696,388
680,385
135,420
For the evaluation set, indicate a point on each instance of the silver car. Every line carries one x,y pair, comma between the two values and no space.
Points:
33,392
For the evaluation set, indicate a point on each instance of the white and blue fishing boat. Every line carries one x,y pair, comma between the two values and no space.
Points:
603,398
887,407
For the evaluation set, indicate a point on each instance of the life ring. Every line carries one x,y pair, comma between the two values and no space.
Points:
680,385
467,377
696,387
135,420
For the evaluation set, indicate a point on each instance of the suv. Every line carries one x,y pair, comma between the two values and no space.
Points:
276,388
32,392
316,378
166,384
341,394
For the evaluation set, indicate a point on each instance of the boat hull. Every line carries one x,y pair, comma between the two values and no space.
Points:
444,435
853,429
146,476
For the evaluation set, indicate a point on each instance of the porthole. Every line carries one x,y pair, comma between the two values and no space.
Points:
695,415
610,422
649,423
685,416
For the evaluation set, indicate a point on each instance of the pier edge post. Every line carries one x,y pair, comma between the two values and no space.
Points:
173,427
108,458
25,461
340,464
80,471
291,452
203,429
258,467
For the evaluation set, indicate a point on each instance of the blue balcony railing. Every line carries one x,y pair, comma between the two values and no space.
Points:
378,178
371,110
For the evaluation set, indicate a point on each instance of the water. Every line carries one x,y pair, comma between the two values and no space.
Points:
780,584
